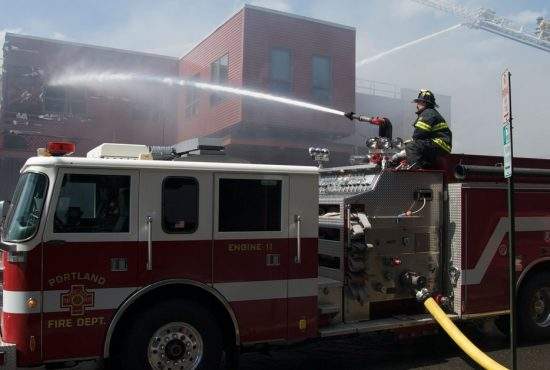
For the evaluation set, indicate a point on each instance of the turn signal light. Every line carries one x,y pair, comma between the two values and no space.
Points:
32,303
57,148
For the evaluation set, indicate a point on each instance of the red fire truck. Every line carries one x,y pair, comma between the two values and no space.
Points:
156,258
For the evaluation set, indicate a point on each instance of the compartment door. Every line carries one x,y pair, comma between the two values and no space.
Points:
251,251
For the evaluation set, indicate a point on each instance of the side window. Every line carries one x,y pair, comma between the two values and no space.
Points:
180,205
249,205
93,204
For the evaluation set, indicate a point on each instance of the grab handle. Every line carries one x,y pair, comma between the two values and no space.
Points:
149,221
298,257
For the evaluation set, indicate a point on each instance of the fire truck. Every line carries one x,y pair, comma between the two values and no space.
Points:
181,258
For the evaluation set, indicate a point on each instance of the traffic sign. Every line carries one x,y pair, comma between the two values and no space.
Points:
507,146
505,93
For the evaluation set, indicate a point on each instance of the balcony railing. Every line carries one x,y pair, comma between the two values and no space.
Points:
377,88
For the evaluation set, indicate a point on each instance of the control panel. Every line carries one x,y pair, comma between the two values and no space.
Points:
346,182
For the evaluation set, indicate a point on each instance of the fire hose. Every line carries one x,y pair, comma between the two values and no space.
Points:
456,335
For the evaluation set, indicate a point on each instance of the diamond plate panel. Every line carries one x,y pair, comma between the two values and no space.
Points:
454,240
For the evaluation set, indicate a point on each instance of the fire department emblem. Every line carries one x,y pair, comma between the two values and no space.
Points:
547,237
77,299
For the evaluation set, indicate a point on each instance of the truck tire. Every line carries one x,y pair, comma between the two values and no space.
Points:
534,308
173,335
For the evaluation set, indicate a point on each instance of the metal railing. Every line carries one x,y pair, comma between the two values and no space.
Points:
377,88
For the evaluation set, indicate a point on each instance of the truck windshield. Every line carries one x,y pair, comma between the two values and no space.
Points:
25,212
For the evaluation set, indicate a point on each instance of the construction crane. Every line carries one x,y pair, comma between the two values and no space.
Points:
488,20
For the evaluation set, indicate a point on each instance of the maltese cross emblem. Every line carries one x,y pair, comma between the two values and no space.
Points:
77,299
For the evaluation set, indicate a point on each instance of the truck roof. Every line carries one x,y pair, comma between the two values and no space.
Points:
166,165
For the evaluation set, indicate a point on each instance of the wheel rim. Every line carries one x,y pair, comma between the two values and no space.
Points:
540,307
175,346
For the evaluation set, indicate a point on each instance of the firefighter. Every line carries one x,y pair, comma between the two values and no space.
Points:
432,137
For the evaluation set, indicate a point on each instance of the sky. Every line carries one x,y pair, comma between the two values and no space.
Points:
464,63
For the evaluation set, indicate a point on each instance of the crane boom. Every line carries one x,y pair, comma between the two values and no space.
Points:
488,20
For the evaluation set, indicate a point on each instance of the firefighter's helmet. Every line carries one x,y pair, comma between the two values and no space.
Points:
426,96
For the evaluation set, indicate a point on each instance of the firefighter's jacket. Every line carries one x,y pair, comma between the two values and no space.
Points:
430,125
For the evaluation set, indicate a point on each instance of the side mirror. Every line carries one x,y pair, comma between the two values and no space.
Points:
4,208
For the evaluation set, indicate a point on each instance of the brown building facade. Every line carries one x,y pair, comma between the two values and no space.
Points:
33,113
284,55
257,48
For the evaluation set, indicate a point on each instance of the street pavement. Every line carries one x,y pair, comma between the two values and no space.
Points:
385,351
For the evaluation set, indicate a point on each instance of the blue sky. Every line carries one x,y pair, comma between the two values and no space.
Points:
464,63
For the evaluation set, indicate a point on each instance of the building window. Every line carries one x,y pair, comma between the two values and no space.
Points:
219,74
192,99
322,78
54,99
93,204
249,205
180,205
65,100
281,71
76,103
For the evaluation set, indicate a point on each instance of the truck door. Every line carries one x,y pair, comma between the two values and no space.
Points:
251,251
177,209
89,258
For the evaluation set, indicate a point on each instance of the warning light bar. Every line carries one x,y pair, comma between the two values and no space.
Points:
57,148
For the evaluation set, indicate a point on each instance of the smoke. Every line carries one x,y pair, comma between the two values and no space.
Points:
465,65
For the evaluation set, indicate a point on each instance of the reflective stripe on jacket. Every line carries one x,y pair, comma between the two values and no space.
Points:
430,125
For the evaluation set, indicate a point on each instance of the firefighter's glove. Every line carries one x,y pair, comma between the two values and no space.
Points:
396,158
350,115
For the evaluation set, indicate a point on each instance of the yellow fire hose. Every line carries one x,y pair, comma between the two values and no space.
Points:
460,339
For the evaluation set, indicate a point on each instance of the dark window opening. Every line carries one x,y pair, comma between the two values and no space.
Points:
330,262
219,75
180,205
322,78
328,208
281,71
93,204
54,99
63,100
329,233
76,102
250,205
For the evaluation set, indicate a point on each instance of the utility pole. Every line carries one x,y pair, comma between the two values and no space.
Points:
507,139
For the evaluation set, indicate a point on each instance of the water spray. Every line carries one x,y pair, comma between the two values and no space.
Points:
384,53
105,77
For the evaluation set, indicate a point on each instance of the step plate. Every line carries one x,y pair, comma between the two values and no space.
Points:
378,325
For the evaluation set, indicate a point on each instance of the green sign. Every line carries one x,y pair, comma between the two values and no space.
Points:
507,149
506,133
